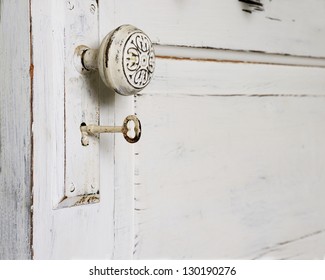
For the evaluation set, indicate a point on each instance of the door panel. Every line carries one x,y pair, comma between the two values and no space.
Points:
278,27
200,78
230,173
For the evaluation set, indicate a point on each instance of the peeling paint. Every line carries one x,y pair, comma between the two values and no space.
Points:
31,71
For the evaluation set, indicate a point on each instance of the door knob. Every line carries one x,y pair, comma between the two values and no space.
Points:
125,60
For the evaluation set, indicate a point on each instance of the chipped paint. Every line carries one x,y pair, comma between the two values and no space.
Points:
252,6
78,59
70,5
272,18
31,72
87,199
79,200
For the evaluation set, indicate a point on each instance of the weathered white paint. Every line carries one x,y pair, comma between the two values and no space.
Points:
81,232
118,106
15,132
286,26
101,230
224,170
230,160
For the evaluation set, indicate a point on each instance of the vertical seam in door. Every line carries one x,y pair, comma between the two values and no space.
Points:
31,75
114,190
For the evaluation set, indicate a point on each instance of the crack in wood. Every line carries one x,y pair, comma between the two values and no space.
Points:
278,245
275,19
136,244
300,238
237,61
31,76
239,95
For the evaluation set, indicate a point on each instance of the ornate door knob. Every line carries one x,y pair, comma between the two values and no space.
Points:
125,60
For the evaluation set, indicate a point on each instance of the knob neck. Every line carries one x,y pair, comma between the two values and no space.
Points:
89,59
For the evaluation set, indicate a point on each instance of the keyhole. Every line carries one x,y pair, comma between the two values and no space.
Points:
131,129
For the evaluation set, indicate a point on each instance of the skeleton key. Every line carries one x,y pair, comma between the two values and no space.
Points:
87,130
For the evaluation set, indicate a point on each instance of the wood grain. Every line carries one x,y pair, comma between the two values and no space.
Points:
98,231
85,231
231,162
242,178
121,188
81,102
15,134
204,78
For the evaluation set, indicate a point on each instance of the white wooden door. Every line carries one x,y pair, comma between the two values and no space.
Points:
231,159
